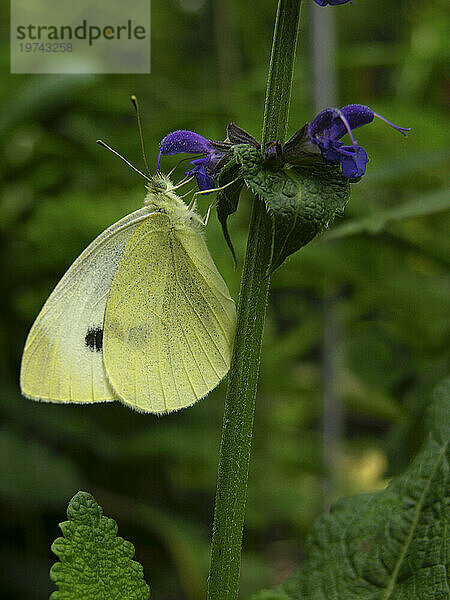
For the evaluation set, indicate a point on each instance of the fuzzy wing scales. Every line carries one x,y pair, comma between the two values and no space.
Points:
63,358
169,320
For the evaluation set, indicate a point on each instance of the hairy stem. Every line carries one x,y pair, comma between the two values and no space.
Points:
223,582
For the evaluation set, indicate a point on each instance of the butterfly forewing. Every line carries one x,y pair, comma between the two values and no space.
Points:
63,358
169,320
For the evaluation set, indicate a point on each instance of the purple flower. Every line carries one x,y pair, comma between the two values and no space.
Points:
330,125
191,142
331,2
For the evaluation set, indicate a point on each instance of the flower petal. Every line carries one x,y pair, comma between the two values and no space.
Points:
330,152
331,2
357,115
330,123
184,141
322,123
354,161
204,181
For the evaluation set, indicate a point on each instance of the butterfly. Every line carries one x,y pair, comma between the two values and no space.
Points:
142,316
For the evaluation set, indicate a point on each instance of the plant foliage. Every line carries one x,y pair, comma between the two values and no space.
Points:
389,545
94,564
300,200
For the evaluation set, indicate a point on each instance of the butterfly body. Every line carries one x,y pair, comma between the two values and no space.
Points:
142,316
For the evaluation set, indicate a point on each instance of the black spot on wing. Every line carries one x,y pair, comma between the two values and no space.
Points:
94,339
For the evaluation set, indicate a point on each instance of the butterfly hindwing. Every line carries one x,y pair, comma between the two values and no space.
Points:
63,356
169,319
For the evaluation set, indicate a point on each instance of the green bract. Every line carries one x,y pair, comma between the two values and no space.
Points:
94,563
228,198
301,200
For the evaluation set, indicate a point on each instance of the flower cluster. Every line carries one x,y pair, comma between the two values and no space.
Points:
320,138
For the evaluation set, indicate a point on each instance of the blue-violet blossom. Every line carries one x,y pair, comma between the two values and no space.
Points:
330,125
331,2
191,142
321,137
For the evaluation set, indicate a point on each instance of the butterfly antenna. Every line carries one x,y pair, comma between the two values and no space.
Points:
141,137
102,143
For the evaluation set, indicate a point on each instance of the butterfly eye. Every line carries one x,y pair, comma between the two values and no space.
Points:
157,184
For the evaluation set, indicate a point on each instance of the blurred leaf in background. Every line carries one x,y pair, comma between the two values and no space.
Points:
385,261
390,544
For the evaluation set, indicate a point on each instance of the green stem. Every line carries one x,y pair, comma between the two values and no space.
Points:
223,582
281,70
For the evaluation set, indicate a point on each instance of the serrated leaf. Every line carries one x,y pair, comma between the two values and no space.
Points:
390,545
94,564
228,198
302,200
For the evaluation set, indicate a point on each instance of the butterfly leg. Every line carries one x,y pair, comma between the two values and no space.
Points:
214,202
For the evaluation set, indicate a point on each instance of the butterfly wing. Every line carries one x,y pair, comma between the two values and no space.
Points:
169,320
62,359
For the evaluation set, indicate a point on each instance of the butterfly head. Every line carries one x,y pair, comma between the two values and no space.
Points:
159,184
161,197
160,191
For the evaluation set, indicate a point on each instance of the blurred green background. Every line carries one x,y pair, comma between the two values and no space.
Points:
360,317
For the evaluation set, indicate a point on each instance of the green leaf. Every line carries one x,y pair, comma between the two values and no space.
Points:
301,200
94,563
390,545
